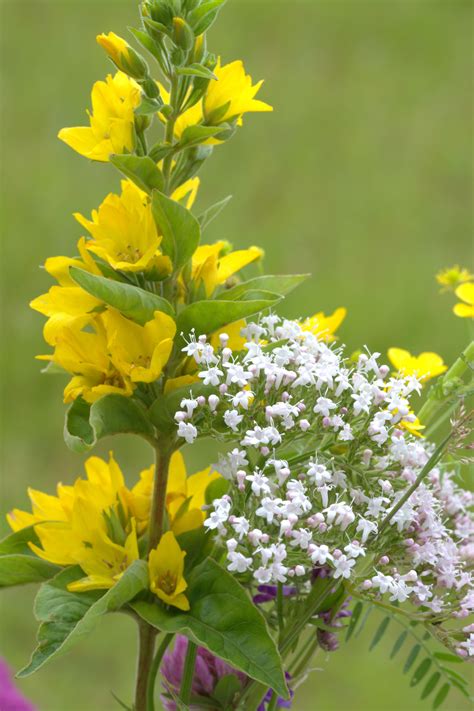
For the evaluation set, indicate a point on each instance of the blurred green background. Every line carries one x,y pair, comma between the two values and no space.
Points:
362,176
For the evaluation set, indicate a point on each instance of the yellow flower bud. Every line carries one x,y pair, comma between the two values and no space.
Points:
123,56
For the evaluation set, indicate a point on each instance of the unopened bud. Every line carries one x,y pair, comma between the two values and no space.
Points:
123,56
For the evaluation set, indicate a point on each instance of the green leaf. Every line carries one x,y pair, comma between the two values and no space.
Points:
279,284
160,150
148,106
180,229
196,70
193,135
112,414
216,489
398,644
420,672
208,316
68,617
411,658
432,681
141,170
379,632
446,657
202,17
17,542
18,569
223,619
356,613
208,215
441,696
226,689
133,302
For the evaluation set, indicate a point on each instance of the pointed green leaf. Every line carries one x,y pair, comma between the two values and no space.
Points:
432,681
208,316
17,542
112,414
447,657
411,658
441,696
356,613
420,672
141,170
398,644
18,564
279,284
379,632
135,303
208,215
203,16
148,106
226,689
223,619
68,617
193,135
196,70
180,229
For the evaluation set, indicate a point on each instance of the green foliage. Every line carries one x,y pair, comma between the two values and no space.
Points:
196,70
180,229
142,170
68,617
113,414
18,564
194,135
432,659
278,284
208,316
226,689
134,303
223,619
203,16
212,212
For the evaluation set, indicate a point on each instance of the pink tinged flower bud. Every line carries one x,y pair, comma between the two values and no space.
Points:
461,652
202,339
344,411
384,560
201,400
240,476
291,573
304,425
285,396
213,401
265,538
293,518
301,406
366,456
398,433
223,389
232,519
180,416
269,412
366,585
469,628
411,576
300,570
326,422
223,339
337,553
384,370
264,451
226,354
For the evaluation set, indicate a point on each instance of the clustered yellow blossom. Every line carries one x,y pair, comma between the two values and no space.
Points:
323,326
465,292
97,523
452,277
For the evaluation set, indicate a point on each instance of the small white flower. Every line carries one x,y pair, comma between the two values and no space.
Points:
343,566
233,419
187,431
320,555
238,562
324,406
211,376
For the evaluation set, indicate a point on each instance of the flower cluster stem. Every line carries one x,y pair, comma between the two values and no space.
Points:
146,646
158,505
154,671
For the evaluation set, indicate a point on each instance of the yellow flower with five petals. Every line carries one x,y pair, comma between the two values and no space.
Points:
111,127
465,292
212,267
323,326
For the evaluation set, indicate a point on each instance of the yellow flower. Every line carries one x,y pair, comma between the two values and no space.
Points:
140,352
236,341
124,231
123,56
104,561
66,304
111,122
452,277
185,495
424,366
166,568
228,98
86,356
323,326
465,292
413,426
213,270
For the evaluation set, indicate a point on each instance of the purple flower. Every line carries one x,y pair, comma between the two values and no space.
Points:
266,593
207,672
10,698
281,703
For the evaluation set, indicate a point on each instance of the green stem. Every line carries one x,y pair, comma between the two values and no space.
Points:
310,652
154,671
157,515
169,133
457,370
430,464
146,646
281,620
188,673
273,702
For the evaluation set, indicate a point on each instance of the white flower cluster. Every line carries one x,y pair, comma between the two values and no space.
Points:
322,453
